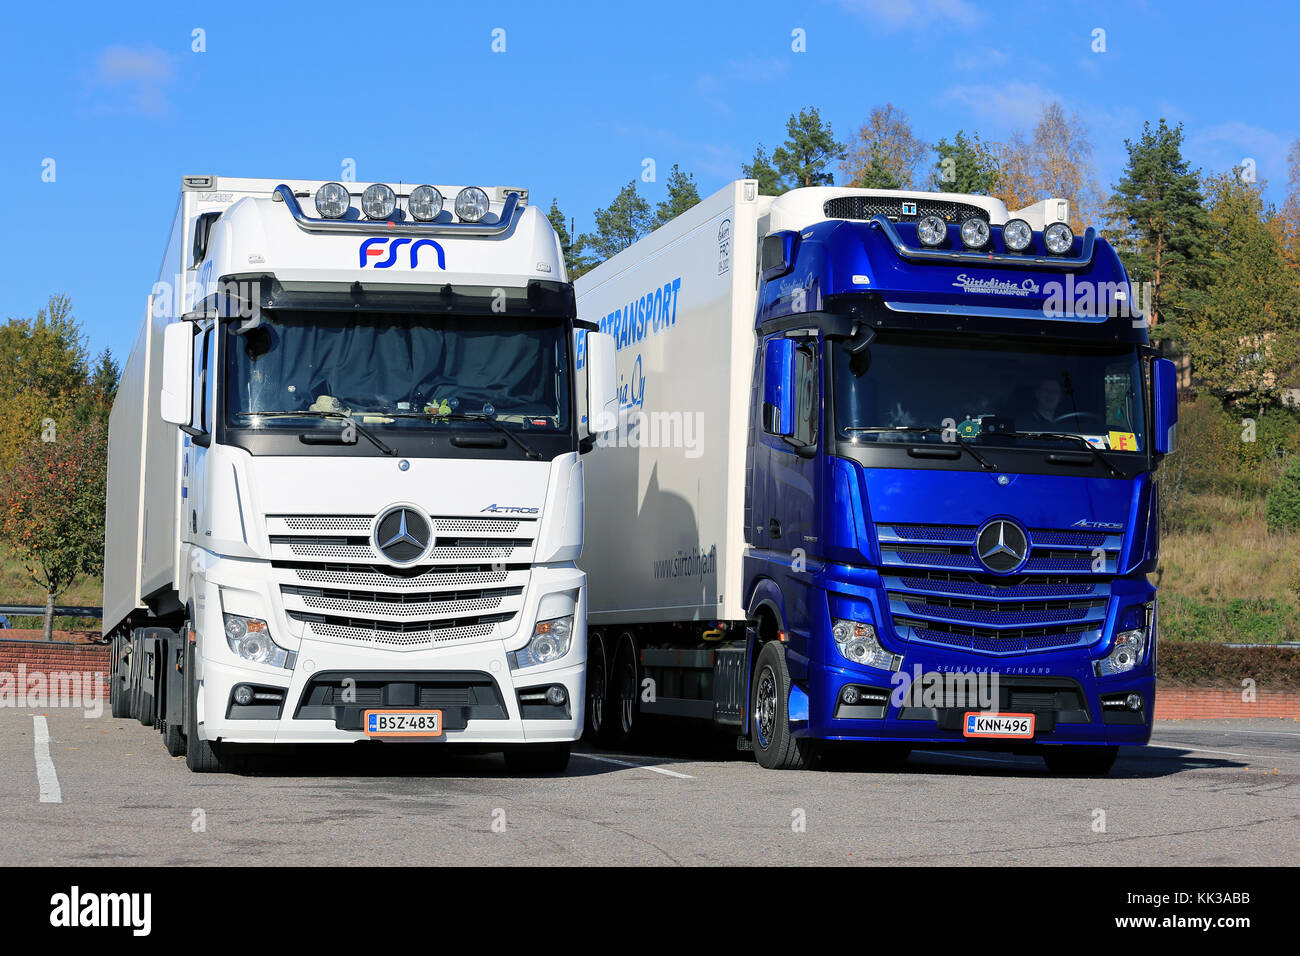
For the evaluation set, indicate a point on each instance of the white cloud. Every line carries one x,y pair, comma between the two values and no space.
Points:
1006,105
896,14
138,75
1226,145
732,78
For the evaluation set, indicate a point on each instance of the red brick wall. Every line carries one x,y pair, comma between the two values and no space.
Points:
54,656
1181,703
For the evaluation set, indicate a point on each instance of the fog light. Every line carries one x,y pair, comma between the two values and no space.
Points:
1134,701
425,203
471,204
243,695
849,694
332,201
555,695
1059,238
975,233
932,231
1017,235
378,201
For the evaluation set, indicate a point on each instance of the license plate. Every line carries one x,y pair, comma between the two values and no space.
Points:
402,723
998,725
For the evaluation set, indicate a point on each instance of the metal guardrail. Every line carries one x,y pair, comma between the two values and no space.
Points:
38,610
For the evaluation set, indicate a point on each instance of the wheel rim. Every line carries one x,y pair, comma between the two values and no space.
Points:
765,706
596,687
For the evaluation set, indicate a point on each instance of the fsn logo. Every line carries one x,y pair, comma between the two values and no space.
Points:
376,247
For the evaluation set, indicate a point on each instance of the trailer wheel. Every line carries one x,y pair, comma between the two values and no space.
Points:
774,746
133,702
595,727
1079,761
148,706
116,685
201,756
626,722
538,758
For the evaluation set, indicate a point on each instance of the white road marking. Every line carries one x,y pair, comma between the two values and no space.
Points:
639,766
49,780
1230,753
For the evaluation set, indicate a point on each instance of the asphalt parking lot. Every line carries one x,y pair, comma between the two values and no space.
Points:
81,791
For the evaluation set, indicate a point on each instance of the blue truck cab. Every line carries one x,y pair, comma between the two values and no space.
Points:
955,424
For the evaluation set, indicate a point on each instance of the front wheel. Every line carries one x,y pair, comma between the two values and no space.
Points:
1080,761
596,726
538,758
201,756
774,746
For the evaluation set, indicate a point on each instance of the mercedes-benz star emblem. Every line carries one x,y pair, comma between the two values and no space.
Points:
1002,546
402,535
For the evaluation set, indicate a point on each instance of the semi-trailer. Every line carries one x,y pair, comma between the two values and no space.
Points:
884,473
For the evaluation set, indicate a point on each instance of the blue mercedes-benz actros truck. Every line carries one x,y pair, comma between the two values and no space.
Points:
884,472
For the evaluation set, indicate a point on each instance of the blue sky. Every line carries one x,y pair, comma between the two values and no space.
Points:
581,96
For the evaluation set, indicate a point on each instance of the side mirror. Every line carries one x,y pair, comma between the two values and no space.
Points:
602,383
778,387
1164,388
177,371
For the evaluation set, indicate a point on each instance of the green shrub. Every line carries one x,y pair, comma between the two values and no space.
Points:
1283,508
1213,665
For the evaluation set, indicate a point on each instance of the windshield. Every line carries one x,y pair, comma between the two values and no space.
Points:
993,393
399,370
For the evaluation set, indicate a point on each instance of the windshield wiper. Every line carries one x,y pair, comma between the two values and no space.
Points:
1066,436
473,417
361,429
926,430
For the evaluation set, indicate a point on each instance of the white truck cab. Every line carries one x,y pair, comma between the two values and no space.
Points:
346,489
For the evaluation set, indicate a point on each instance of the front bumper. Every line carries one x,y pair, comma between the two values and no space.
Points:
1062,693
434,678
487,661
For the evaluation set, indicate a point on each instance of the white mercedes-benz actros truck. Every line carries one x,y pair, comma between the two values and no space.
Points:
345,485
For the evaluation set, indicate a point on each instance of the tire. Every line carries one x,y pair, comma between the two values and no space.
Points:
148,705
539,758
201,756
774,746
626,724
595,727
117,684
133,702
1080,761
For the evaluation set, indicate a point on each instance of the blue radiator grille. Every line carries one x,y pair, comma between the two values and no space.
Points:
940,594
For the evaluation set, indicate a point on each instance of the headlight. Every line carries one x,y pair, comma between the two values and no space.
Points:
1017,235
378,201
425,203
551,640
1059,238
857,642
250,638
332,201
975,233
1130,647
932,231
471,204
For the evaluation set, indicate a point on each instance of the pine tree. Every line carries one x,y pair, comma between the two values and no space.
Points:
682,195
1158,221
618,225
809,149
761,168
964,166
